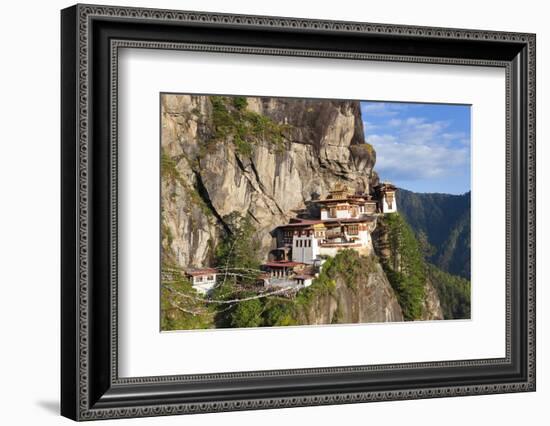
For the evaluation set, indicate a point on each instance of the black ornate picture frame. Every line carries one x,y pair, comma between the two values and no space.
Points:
91,387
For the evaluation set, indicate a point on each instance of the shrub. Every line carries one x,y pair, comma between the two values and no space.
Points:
279,313
247,314
232,121
240,102
239,247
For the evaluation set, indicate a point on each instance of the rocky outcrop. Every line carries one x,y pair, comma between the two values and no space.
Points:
370,300
432,305
322,145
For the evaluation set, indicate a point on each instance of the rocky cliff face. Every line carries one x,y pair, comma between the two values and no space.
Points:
370,300
432,305
210,177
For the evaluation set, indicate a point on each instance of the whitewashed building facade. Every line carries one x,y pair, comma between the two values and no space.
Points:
346,221
203,279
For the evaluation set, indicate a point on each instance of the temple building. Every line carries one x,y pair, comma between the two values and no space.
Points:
286,273
339,204
385,193
203,280
346,221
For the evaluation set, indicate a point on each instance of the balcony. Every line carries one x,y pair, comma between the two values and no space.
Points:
340,244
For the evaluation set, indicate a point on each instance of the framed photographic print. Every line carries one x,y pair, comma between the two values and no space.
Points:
263,212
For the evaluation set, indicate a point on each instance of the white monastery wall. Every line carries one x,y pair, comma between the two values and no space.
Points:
386,208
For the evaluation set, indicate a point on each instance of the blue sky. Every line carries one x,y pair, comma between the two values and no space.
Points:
420,147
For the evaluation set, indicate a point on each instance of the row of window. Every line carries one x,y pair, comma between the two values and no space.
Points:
332,212
207,278
290,234
352,229
353,211
303,243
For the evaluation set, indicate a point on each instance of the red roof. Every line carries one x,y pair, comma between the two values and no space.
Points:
350,220
345,245
302,222
282,264
198,272
356,199
328,222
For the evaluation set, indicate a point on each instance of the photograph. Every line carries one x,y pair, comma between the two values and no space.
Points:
263,209
280,211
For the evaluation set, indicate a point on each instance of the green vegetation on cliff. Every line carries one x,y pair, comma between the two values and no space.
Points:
247,314
405,266
183,308
347,265
239,248
453,291
408,272
180,305
279,311
232,120
237,300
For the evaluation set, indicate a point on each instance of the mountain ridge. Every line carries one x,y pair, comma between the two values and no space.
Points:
442,223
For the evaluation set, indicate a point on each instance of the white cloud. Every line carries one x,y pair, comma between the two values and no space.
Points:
394,122
414,121
453,136
381,109
412,162
377,140
416,148
369,126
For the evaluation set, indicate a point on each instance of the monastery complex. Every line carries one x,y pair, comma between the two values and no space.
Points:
346,221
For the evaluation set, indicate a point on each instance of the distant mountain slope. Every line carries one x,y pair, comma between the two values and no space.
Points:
443,220
453,292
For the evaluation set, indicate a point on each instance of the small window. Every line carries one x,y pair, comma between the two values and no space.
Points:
198,279
210,278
